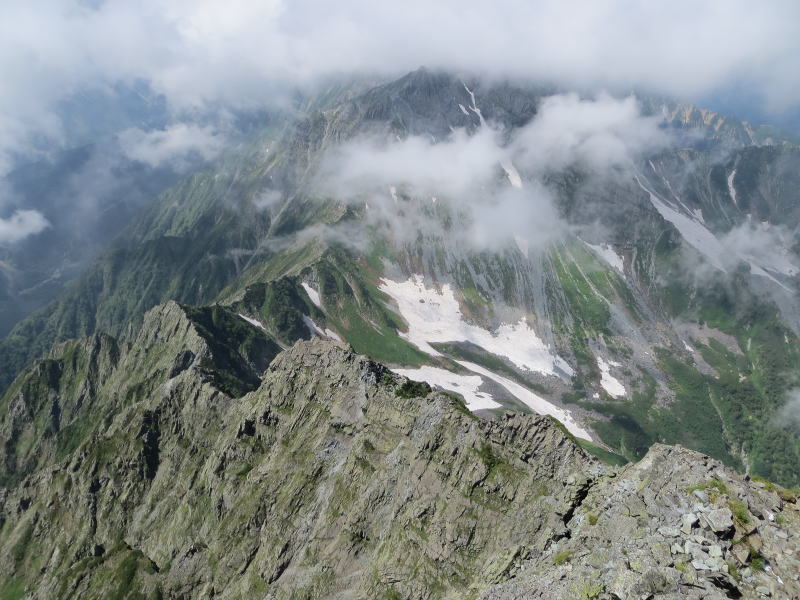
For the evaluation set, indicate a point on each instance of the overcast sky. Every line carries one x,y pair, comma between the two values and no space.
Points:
242,53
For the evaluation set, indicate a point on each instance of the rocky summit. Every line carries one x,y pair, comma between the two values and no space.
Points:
176,466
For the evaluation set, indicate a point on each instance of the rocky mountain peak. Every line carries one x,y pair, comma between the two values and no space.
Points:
335,477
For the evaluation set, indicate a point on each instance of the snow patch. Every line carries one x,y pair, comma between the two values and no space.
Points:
252,321
317,330
687,346
523,244
777,262
610,384
313,294
692,231
699,237
466,385
393,192
333,335
534,402
463,110
512,174
434,316
756,270
474,107
313,327
731,188
607,253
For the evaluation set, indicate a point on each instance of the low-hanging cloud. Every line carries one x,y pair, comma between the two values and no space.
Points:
174,146
201,53
491,180
601,133
268,200
789,414
20,225
763,245
452,167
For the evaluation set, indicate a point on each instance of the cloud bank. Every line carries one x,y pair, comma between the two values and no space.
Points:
20,225
789,414
204,53
491,182
173,146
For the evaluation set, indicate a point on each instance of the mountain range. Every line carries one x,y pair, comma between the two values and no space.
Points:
624,268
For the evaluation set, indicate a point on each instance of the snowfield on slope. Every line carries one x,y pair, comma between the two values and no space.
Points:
466,385
434,316
317,330
703,240
469,386
610,384
691,230
731,188
534,402
313,294
609,255
251,321
513,175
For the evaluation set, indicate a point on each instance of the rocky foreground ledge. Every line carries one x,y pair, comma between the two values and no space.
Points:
677,524
170,468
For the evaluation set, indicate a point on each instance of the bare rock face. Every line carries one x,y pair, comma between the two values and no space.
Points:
677,524
331,477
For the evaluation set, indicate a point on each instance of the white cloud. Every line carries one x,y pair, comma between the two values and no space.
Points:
452,167
789,414
490,211
20,225
268,200
598,133
174,145
240,53
762,245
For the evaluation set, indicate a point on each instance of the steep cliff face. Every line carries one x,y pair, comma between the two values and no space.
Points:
333,476
54,406
328,476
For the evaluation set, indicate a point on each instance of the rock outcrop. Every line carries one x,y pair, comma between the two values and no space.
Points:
676,524
172,474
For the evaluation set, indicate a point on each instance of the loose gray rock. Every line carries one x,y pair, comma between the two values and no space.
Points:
720,520
688,521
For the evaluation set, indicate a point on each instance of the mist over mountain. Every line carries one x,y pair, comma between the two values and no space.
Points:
286,314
